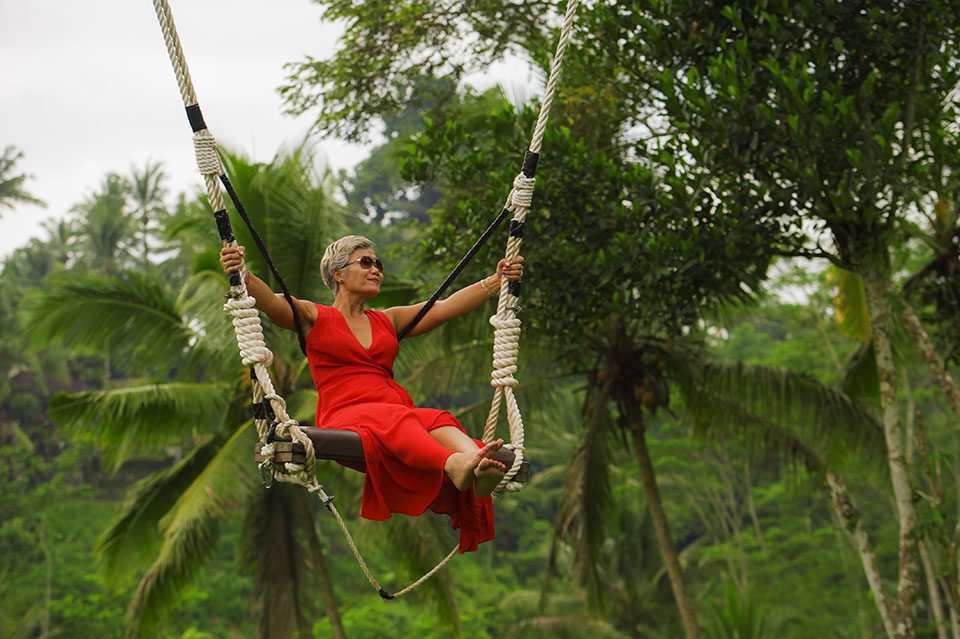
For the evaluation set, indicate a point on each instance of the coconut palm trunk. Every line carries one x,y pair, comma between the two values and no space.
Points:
908,580
633,416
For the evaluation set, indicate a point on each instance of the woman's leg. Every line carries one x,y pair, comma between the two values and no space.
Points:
469,461
452,438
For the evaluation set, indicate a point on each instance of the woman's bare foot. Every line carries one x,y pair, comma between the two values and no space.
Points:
463,468
489,472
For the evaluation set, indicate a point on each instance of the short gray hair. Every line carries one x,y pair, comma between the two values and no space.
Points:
336,256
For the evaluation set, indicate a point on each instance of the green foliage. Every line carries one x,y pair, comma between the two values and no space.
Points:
11,184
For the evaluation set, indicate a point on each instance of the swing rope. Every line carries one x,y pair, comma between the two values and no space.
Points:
272,421
506,324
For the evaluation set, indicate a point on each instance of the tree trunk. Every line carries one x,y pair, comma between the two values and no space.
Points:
849,516
908,580
330,605
659,518
935,363
936,601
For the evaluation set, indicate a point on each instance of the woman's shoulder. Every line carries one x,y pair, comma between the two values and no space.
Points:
382,317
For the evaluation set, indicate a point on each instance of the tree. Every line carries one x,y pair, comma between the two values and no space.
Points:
169,527
605,230
146,190
828,118
11,184
105,225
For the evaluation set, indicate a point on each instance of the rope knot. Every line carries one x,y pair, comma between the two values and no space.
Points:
506,348
205,148
521,197
249,332
283,428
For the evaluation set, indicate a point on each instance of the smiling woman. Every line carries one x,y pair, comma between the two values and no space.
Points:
415,458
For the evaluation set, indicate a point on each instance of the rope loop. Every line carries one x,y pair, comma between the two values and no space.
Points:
205,148
521,197
506,348
249,331
283,428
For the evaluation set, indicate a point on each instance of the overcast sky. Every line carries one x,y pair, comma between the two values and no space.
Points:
86,88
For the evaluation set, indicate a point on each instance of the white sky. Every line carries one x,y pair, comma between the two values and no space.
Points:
86,88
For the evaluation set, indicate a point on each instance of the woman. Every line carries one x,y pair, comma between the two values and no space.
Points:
415,457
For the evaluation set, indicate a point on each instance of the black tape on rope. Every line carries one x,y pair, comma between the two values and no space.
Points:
196,118
530,161
384,594
516,228
223,225
259,411
514,288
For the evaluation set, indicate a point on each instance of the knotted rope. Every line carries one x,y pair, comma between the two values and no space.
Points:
506,324
270,411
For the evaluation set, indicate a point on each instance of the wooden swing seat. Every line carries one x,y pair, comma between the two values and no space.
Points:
345,446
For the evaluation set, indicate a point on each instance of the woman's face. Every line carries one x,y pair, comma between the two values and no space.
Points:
363,273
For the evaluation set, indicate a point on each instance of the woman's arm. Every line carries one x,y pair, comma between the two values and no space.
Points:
460,303
272,304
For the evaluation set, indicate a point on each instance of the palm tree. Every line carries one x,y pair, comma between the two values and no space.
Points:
635,376
146,189
170,522
105,226
11,185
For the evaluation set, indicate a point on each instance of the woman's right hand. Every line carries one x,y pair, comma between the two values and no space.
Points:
230,258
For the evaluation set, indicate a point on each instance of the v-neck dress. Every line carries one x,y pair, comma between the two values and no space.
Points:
404,462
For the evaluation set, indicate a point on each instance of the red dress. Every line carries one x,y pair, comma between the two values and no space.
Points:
404,462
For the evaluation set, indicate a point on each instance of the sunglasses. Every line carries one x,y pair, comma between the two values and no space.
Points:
367,262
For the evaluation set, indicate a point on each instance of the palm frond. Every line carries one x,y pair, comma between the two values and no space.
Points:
778,394
587,498
860,379
302,405
133,537
292,213
200,300
190,528
182,556
224,482
418,544
137,419
127,314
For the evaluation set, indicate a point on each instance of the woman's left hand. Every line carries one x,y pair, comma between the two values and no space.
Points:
511,269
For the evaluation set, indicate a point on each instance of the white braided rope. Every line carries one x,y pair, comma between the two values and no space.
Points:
506,334
550,90
249,332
